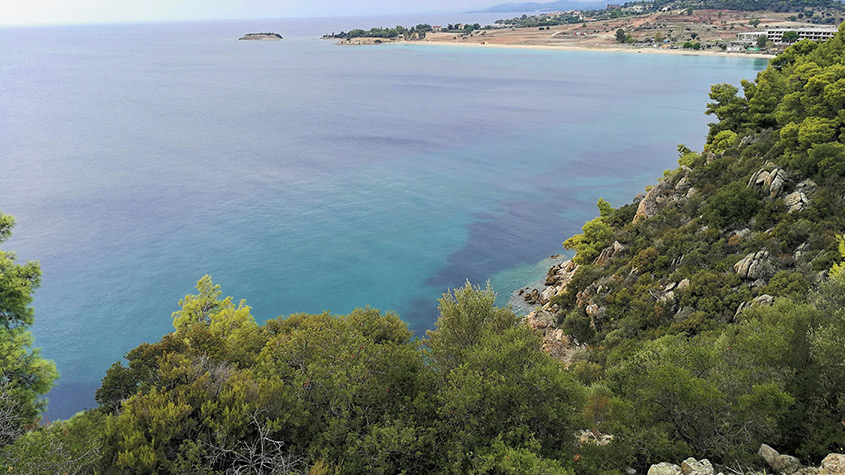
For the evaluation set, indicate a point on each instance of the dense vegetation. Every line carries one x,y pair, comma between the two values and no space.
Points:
529,21
814,11
707,316
415,32
677,325
23,373
330,394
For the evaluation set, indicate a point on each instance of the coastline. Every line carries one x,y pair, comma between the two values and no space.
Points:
606,49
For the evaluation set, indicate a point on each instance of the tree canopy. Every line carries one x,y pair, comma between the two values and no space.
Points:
24,375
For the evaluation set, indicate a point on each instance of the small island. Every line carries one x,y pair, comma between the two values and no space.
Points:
261,36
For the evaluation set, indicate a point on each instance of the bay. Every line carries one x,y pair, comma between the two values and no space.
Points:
305,176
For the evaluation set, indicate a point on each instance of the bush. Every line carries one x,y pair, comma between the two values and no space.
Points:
734,204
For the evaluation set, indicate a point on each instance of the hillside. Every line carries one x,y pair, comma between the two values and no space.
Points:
739,238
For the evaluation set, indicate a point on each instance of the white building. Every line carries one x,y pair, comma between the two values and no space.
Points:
775,35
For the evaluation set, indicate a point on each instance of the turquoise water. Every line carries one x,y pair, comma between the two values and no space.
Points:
304,176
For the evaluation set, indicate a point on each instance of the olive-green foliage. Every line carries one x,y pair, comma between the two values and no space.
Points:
67,447
596,236
505,390
466,315
732,205
676,386
24,375
355,392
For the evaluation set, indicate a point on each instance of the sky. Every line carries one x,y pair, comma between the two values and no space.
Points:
23,12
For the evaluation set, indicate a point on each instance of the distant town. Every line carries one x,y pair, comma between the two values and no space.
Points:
653,25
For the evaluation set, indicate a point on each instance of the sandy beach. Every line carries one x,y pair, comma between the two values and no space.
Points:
611,49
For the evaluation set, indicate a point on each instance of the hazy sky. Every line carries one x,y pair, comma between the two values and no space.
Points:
99,11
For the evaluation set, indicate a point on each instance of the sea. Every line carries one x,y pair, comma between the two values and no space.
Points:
305,176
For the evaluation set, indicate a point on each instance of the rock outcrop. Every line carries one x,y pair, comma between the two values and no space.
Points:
781,464
664,468
261,36
833,464
649,204
614,250
756,265
796,201
689,466
770,181
555,342
692,466
774,181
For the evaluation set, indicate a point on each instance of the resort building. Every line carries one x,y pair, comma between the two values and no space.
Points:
775,35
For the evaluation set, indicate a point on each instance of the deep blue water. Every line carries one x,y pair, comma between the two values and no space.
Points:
305,176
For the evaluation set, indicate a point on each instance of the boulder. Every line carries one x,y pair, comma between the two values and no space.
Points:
588,437
683,284
806,186
665,468
739,310
758,179
754,266
648,205
769,454
748,140
683,314
764,300
533,297
692,466
614,250
668,297
775,182
796,201
786,464
769,181
743,233
833,464
560,275
539,320
592,310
